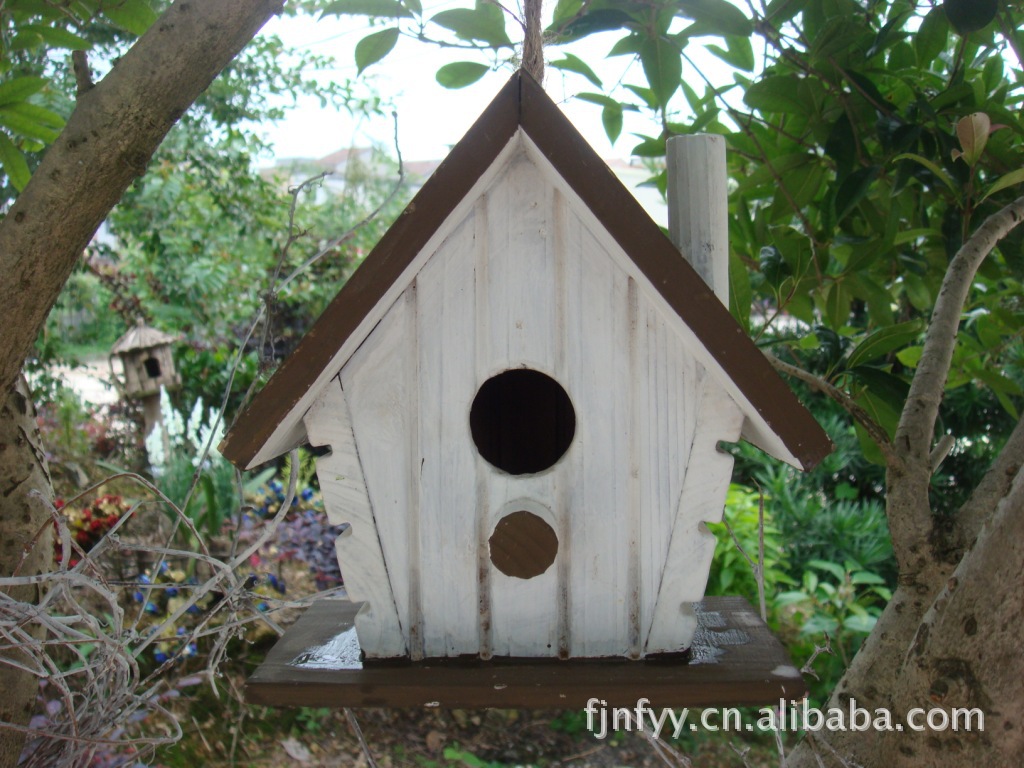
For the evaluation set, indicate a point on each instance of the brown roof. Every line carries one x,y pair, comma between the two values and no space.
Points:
522,104
141,336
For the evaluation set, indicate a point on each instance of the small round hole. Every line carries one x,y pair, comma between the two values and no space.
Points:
522,421
523,545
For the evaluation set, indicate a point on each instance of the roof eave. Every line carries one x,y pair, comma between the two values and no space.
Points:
270,425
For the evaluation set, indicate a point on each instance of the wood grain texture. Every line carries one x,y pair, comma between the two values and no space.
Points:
525,280
523,116
735,661
346,501
698,206
691,545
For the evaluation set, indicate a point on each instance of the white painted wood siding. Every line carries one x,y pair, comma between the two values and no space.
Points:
346,501
523,278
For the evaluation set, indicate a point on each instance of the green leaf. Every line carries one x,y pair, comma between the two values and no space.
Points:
1001,387
834,568
837,304
55,37
866,577
645,94
20,88
14,163
663,66
375,47
940,174
597,98
931,38
384,9
485,23
860,624
1006,180
627,46
591,22
740,293
649,147
611,119
135,16
883,341
41,115
738,53
794,247
26,126
565,10
776,93
575,64
910,356
722,17
459,74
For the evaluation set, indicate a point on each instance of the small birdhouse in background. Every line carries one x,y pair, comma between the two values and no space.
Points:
523,389
148,364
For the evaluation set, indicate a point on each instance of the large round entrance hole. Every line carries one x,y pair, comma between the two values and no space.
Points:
522,421
523,545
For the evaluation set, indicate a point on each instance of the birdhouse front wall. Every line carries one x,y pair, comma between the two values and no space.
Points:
525,278
146,370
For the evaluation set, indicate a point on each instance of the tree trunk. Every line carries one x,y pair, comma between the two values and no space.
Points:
26,548
948,638
108,141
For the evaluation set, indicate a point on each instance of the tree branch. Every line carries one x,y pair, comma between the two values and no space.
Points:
994,486
913,440
533,41
107,142
860,415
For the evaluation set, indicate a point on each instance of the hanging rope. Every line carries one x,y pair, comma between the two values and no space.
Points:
533,43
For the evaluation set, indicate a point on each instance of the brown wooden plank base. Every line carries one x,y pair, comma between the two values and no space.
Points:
734,661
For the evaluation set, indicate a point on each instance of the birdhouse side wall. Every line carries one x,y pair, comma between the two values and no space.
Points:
340,472
523,281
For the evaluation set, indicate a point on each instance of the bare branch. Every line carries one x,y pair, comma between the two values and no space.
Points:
994,486
533,41
83,72
917,422
860,415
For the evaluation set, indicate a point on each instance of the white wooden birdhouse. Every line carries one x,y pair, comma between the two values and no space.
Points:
522,390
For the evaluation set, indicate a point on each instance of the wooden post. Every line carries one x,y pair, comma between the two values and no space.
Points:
698,206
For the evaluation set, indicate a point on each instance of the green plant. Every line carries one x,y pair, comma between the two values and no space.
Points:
310,719
840,603
187,467
832,513
731,572
455,756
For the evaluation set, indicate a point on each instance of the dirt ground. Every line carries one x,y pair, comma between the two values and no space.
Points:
456,738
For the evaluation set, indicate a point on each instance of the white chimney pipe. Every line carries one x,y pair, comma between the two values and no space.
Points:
698,206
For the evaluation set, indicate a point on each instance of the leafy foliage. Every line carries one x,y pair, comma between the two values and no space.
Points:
33,106
866,142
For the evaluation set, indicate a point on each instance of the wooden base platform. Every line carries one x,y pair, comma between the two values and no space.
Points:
734,661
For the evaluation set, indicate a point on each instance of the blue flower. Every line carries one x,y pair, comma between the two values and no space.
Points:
160,656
